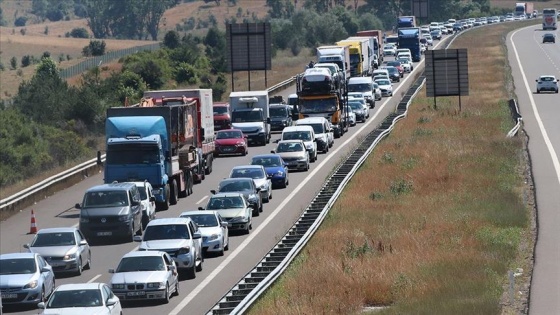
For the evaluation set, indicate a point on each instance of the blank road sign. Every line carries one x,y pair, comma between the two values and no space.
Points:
447,72
249,46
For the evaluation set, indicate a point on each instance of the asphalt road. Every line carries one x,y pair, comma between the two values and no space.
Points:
198,295
529,59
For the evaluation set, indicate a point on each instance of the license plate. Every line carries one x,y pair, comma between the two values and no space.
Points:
228,149
136,293
108,233
9,295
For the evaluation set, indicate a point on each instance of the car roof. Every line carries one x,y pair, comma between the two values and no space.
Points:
197,212
547,76
57,230
142,184
227,194
167,221
229,130
280,105
112,186
79,286
297,128
247,166
145,253
18,255
311,120
267,155
236,179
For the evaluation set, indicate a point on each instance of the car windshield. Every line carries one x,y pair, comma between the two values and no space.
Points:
100,199
247,116
253,173
361,87
54,239
17,266
289,147
394,63
220,110
317,128
278,112
75,298
383,82
204,220
547,79
217,203
269,161
146,263
355,105
233,186
229,135
297,135
166,232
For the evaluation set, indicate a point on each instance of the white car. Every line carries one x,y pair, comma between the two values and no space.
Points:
82,298
377,91
234,208
386,87
258,174
294,153
406,63
429,39
351,116
214,230
145,275
147,201
323,131
389,50
547,83
180,237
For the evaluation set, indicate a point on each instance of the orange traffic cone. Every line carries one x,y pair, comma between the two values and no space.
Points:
33,228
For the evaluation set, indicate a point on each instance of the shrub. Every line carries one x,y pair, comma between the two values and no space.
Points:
20,21
95,48
25,61
79,32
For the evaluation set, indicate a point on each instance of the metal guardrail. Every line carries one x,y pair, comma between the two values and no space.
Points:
38,191
255,282
516,118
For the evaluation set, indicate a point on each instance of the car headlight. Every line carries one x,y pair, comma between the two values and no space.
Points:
279,173
123,218
31,285
264,187
155,285
118,286
184,250
253,197
213,237
302,158
240,144
261,130
69,256
309,146
84,219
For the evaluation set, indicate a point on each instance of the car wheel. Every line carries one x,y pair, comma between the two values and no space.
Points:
226,246
80,267
261,208
88,264
176,293
221,251
267,199
245,152
538,91
43,295
191,272
166,296
255,213
174,193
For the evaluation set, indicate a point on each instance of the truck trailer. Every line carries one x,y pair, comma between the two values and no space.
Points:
524,9
161,140
377,35
358,61
370,59
336,54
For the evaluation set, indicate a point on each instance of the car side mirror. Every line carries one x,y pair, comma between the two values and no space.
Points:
536,80
41,305
200,208
197,235
111,270
83,242
268,120
137,238
152,199
213,191
78,206
225,224
135,202
112,301
272,151
258,189
46,269
172,267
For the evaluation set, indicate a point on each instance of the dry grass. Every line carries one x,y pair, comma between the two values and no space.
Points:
433,220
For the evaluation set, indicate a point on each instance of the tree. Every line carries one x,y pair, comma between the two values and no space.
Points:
20,21
280,9
171,40
79,32
13,63
95,48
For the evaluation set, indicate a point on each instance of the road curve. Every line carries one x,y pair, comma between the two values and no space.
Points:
529,59
220,273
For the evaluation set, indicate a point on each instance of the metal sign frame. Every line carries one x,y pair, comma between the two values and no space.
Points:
447,73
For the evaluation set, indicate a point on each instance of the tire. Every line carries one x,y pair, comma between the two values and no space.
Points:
199,267
261,208
164,205
174,193
80,267
538,91
283,184
191,272
166,297
176,293
209,161
185,193
226,247
255,213
245,152
267,199
221,252
190,185
88,264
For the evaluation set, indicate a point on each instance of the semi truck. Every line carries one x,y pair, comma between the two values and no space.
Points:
550,19
359,62
410,38
336,54
318,103
167,141
250,114
524,9
370,59
406,22
378,39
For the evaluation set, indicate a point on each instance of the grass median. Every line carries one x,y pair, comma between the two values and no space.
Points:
436,217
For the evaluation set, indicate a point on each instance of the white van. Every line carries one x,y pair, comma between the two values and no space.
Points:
323,131
364,85
304,133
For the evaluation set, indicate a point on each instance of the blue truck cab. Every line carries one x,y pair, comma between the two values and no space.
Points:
410,38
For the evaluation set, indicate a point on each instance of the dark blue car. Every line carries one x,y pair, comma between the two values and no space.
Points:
276,169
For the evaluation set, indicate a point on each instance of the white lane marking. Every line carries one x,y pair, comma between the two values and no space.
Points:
549,146
94,278
201,200
256,231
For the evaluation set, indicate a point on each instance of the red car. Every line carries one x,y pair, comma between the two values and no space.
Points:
222,116
396,64
231,141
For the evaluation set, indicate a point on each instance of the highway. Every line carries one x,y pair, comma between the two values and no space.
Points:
529,59
198,295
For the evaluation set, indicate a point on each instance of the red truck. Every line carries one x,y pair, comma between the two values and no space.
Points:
377,43
222,116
